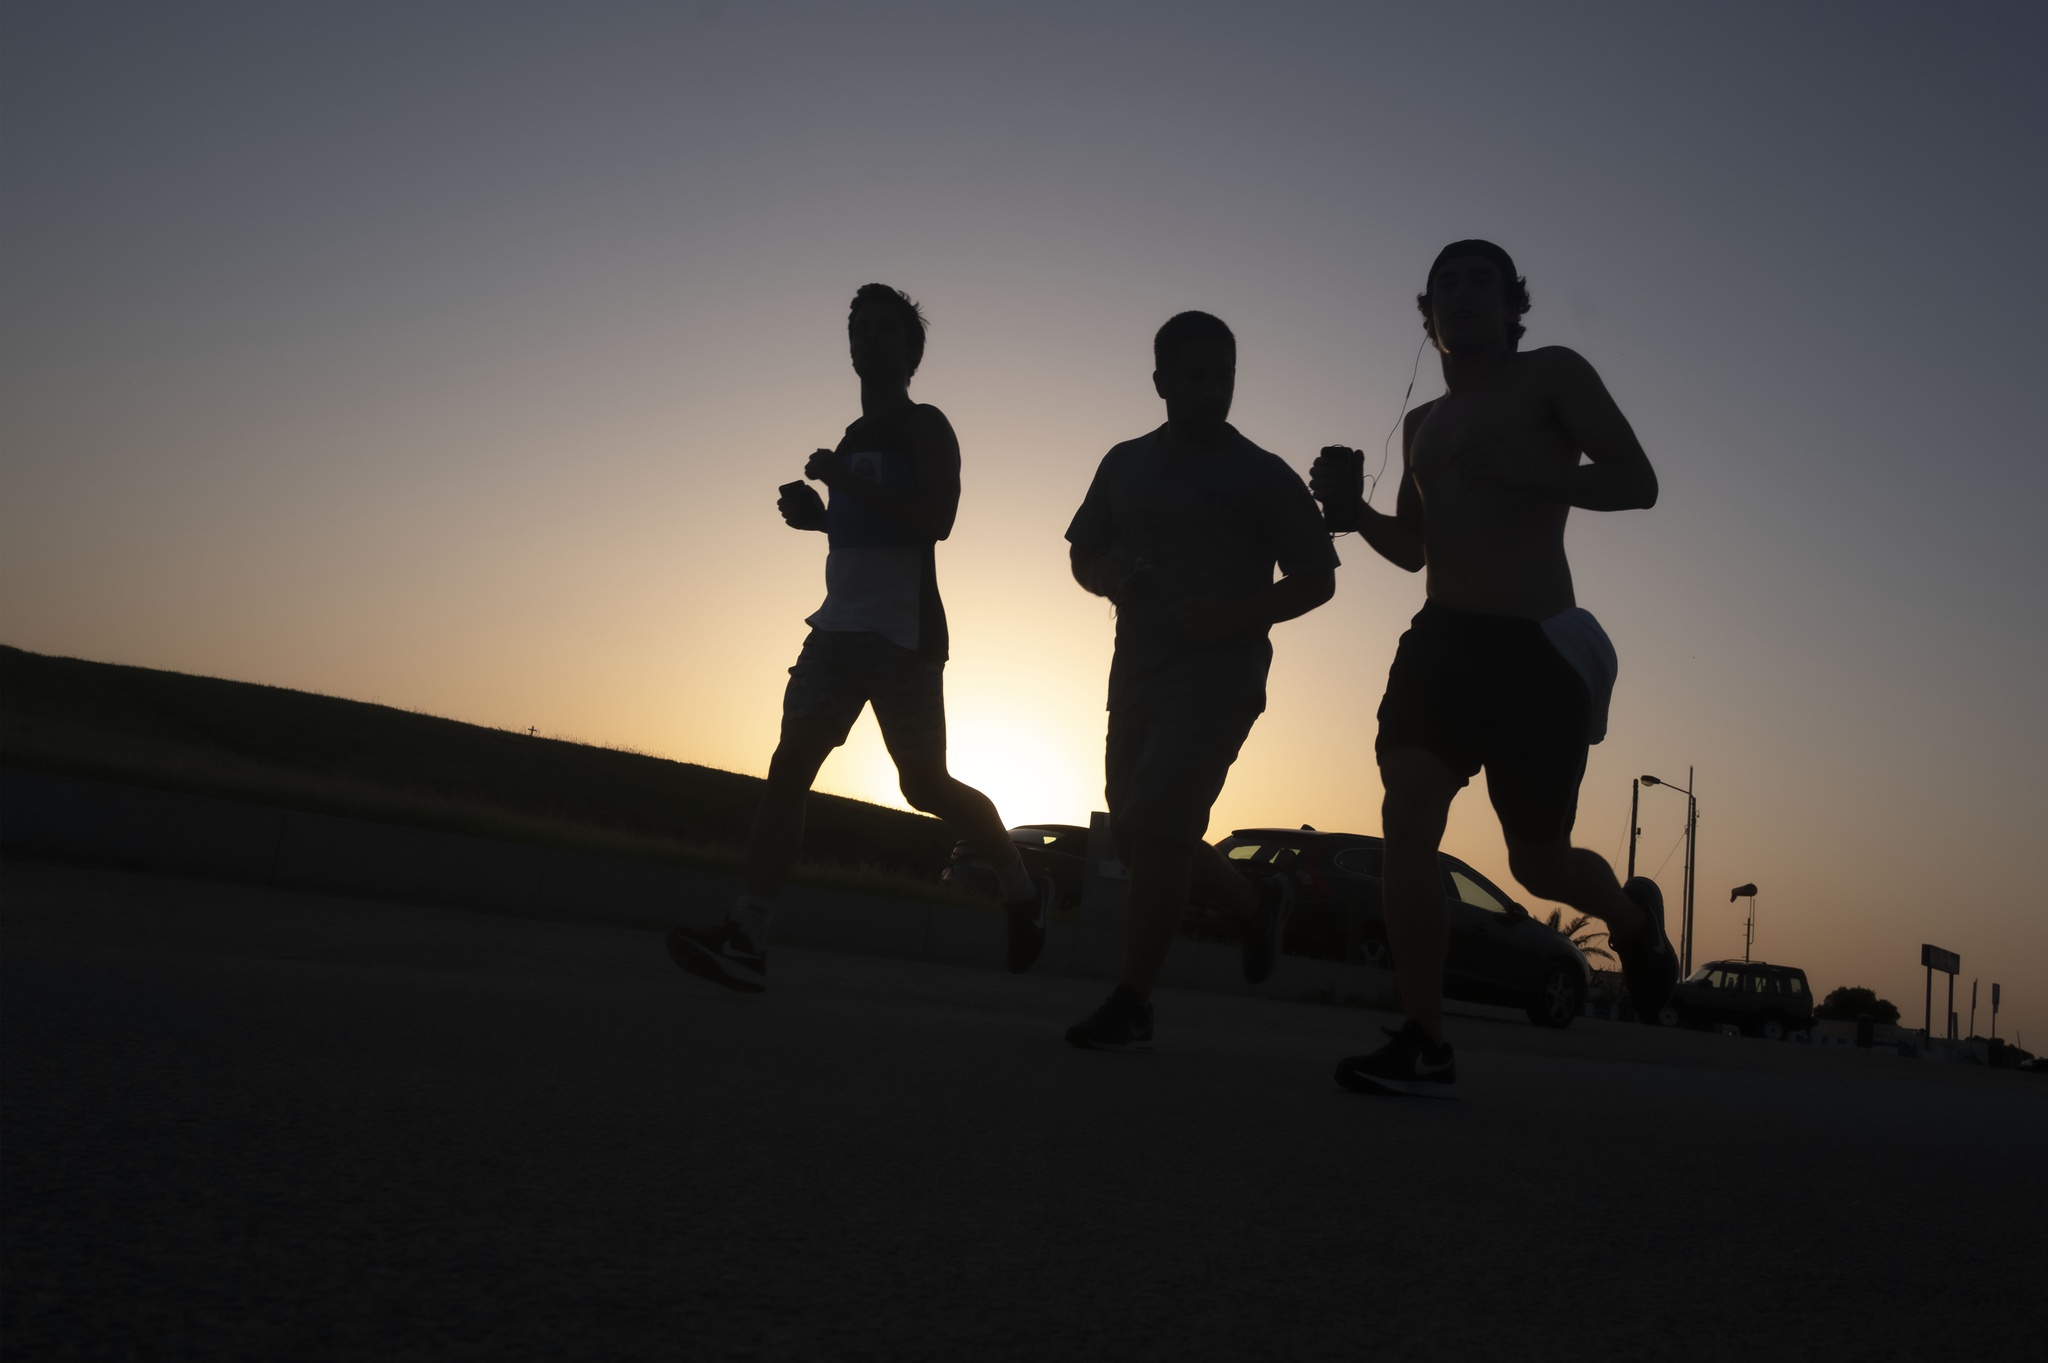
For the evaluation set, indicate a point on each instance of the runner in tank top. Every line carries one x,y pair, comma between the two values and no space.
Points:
879,639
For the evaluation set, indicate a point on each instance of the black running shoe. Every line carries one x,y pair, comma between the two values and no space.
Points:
1648,964
1411,1065
722,954
1123,1022
1262,932
1027,925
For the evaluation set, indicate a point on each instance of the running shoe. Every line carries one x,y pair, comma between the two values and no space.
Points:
1123,1022
1649,966
1410,1065
1263,930
1028,918
723,954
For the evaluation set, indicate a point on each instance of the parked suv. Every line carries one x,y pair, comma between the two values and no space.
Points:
1498,953
1763,1000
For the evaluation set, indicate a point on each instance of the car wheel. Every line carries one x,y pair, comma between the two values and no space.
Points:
1667,1016
1562,998
1773,1029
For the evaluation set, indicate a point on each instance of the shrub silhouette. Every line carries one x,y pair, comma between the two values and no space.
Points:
1852,1001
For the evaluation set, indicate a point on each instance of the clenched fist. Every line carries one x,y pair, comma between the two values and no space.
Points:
1337,480
801,507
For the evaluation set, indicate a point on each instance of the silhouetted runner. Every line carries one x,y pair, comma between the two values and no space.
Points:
880,639
1501,669
1181,529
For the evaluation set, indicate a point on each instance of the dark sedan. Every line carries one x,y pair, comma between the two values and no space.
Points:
1498,953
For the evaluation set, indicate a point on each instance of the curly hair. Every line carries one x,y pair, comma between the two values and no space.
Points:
1516,287
914,324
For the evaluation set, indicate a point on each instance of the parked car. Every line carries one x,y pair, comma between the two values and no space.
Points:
1763,1000
1059,850
1498,953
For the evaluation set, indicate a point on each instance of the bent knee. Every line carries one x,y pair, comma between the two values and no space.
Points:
925,791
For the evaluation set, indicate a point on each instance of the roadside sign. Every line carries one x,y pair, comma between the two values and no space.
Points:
1994,996
1934,958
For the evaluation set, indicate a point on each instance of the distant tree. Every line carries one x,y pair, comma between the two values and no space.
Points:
1852,1001
1581,933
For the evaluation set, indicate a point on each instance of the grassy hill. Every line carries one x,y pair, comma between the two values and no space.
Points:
292,748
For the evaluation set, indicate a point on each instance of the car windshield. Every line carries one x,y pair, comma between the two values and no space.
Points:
1475,894
1261,851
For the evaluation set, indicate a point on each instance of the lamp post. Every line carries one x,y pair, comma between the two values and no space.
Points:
1749,928
1635,795
1692,823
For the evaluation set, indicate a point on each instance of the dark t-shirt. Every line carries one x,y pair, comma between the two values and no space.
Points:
1195,523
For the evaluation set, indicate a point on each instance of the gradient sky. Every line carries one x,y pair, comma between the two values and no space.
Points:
448,355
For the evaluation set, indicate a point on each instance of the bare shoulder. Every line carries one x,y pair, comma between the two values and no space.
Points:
1419,413
1558,366
1412,423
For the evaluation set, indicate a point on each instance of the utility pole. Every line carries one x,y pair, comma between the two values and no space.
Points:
1973,1008
1635,795
1692,824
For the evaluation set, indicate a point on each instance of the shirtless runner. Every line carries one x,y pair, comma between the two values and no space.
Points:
1500,669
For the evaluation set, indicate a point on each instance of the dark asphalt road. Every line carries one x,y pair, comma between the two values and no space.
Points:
244,1124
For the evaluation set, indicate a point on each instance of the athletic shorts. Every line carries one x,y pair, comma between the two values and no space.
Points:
1166,764
839,671
1492,691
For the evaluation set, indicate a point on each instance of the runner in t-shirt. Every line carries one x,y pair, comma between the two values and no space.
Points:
879,639
1181,529
1501,669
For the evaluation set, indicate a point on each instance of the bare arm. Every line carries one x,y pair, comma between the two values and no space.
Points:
930,504
1617,476
1297,594
1204,618
1098,573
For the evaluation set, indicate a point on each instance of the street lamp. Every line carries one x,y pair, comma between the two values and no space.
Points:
1692,823
1749,928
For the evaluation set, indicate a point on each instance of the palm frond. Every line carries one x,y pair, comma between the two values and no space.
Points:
1582,932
